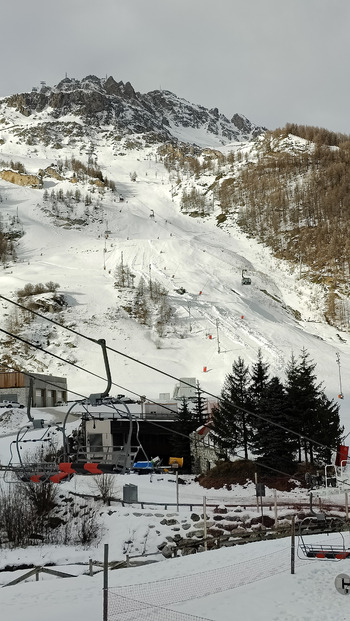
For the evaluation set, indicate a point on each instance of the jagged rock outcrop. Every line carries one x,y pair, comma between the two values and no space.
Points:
245,126
108,102
33,181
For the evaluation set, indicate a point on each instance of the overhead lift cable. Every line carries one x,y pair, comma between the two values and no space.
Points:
164,406
238,407
145,364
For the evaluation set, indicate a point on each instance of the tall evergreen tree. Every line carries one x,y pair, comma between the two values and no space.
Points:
186,422
274,446
259,380
292,402
310,412
140,306
200,407
231,424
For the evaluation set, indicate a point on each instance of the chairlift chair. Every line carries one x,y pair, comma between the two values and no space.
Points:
245,279
86,458
81,459
40,470
320,524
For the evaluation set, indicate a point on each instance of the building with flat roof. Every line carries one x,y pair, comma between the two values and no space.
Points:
46,390
186,389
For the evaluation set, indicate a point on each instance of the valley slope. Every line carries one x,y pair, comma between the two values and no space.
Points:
140,222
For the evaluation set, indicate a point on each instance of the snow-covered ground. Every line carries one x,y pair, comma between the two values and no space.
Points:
251,581
177,251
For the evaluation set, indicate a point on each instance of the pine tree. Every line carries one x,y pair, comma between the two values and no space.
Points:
200,407
164,312
312,414
259,380
140,306
292,409
230,422
119,275
272,443
186,422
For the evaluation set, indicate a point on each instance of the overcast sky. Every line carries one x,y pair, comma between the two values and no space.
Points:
275,61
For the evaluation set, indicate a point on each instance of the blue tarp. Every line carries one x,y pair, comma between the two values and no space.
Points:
143,465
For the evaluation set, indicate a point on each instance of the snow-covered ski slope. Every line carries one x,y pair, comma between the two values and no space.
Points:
216,320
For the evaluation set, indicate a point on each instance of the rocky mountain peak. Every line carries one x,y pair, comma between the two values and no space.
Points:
245,126
104,101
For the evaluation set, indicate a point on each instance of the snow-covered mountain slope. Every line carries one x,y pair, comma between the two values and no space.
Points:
80,239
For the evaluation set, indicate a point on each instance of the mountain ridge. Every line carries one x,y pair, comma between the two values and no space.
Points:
107,102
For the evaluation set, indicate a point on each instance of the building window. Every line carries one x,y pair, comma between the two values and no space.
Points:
95,441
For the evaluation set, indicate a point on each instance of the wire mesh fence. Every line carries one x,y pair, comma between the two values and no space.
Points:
126,609
153,598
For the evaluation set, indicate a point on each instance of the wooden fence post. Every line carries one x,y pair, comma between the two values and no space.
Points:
205,523
276,514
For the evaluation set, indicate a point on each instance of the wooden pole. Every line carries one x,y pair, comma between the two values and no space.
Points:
177,490
257,497
105,583
292,547
276,515
262,507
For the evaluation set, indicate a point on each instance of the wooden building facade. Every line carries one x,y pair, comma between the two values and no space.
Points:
46,390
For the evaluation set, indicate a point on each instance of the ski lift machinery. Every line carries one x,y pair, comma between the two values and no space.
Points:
311,529
79,459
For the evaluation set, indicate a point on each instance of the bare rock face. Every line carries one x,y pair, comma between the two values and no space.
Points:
112,87
12,176
245,126
99,101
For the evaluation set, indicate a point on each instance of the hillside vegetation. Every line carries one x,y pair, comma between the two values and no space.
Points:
291,191
298,203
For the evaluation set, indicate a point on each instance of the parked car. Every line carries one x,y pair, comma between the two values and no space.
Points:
11,404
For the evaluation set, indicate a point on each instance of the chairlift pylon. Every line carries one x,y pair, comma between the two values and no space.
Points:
340,395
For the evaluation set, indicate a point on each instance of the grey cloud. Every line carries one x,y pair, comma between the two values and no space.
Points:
271,60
